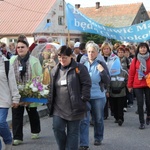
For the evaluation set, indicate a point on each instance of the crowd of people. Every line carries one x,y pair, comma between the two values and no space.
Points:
83,74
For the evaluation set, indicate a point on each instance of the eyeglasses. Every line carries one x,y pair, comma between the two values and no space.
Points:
20,47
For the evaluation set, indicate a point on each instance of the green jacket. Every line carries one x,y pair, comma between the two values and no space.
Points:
35,67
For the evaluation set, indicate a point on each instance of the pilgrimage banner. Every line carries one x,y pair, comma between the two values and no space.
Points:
135,33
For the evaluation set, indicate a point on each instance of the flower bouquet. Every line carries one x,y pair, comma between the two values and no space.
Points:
33,91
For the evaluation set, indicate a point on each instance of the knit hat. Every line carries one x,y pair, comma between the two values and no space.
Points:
42,39
77,44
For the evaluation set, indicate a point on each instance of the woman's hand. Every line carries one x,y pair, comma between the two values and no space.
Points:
100,67
15,105
130,90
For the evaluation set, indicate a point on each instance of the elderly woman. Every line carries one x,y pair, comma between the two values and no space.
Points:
99,74
26,67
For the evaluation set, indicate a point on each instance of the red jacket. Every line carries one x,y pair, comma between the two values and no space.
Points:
133,81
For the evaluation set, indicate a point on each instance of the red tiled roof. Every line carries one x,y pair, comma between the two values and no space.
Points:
111,13
22,16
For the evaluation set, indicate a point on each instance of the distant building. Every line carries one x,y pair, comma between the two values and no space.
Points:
117,15
33,18
47,18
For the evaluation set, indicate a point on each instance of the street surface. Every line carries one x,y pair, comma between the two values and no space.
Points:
126,137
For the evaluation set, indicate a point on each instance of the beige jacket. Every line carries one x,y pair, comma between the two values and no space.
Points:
8,88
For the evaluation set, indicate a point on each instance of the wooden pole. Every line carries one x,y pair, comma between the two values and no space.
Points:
68,38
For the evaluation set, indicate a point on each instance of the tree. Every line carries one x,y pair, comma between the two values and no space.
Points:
96,38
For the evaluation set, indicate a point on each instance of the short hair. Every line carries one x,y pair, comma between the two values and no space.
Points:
22,38
141,45
64,50
71,43
92,44
121,48
127,49
106,44
116,45
24,42
82,46
12,43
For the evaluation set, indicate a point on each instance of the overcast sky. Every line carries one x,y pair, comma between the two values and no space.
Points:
86,3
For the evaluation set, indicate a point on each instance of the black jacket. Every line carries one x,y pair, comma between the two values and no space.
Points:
78,83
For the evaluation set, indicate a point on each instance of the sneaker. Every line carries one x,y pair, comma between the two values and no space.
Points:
125,109
8,147
97,143
35,136
120,122
84,148
142,126
17,142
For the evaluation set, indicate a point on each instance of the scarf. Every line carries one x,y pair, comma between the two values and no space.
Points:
23,64
142,68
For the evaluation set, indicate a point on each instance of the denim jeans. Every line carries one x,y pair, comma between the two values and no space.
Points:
4,129
66,140
97,107
84,130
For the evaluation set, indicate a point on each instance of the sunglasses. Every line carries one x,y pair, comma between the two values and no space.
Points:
20,47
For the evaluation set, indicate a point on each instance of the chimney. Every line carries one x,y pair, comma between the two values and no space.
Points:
97,5
77,6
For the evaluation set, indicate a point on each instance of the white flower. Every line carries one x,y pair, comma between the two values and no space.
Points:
46,92
42,93
45,86
31,85
34,89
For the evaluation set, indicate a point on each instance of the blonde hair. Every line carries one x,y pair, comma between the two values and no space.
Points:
104,45
71,44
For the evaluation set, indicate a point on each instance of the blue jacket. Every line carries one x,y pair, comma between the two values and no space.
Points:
97,77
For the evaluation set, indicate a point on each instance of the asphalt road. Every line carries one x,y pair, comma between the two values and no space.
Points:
126,137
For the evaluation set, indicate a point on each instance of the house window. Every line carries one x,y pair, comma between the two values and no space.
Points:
13,40
60,20
60,7
48,20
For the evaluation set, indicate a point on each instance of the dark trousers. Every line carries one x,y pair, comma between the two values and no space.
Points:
17,121
140,92
130,97
118,104
106,111
111,103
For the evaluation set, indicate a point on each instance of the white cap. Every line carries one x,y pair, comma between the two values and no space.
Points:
77,44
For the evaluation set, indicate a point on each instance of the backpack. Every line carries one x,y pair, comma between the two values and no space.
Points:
6,68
